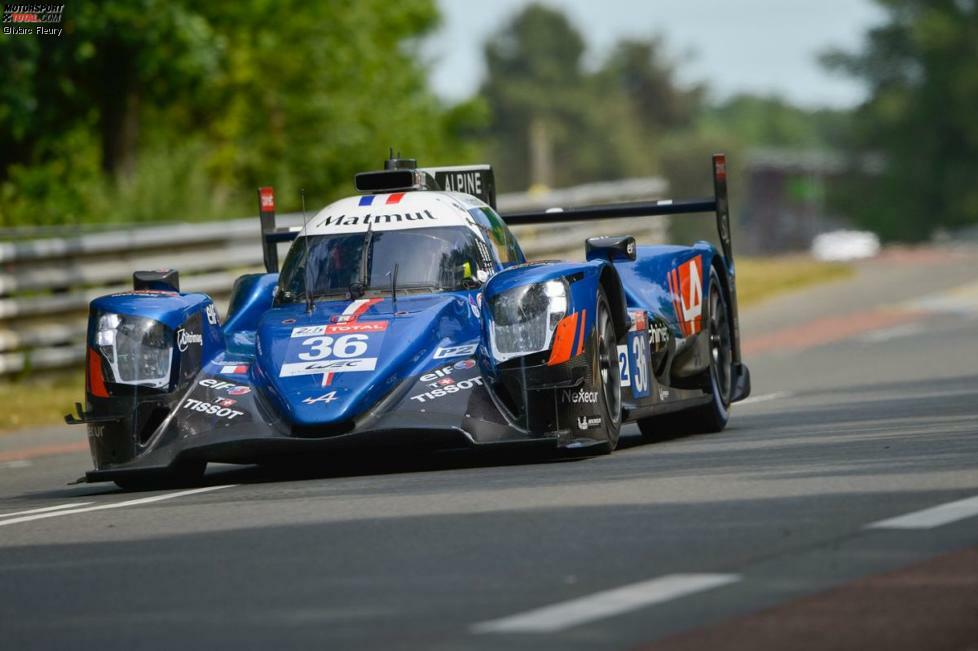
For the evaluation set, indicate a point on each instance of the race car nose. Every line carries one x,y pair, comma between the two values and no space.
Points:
326,373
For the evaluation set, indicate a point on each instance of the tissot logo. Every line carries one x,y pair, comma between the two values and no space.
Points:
357,220
184,339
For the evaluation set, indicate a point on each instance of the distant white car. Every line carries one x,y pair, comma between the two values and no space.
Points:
845,245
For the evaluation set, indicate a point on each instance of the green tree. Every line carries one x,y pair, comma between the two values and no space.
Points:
534,90
153,109
555,122
920,70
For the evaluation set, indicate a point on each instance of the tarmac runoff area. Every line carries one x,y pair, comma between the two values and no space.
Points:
838,510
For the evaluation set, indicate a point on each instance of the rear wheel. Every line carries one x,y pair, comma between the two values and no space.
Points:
607,375
718,379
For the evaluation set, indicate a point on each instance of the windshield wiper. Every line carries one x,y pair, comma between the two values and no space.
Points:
359,287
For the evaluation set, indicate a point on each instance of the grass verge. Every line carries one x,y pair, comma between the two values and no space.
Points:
40,399
758,279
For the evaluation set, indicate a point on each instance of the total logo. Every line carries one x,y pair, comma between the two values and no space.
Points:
212,409
230,388
184,339
339,328
578,397
588,422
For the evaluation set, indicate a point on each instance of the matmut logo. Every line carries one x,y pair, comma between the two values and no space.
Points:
364,220
686,285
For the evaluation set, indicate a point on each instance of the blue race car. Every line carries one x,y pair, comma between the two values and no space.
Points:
408,316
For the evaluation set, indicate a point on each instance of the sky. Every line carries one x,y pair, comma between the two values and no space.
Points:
767,47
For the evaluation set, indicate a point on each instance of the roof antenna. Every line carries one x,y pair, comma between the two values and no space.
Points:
310,302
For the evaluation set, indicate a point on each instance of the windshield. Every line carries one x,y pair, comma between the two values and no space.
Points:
432,259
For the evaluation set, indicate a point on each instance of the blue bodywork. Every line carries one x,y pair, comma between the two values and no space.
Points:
289,377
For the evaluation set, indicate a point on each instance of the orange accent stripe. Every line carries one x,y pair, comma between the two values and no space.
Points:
826,330
675,302
563,340
580,341
96,383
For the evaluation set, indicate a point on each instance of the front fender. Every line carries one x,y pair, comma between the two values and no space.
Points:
124,412
583,280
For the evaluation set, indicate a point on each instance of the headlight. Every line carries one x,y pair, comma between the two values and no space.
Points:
524,318
139,350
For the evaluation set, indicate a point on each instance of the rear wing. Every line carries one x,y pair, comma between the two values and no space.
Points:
717,204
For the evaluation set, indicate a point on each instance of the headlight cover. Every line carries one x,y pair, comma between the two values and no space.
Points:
524,318
139,350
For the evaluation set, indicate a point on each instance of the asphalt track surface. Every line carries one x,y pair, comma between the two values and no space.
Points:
838,510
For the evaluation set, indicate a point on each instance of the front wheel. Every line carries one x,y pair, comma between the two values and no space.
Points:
607,374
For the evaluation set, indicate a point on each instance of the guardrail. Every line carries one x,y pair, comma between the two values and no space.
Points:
46,284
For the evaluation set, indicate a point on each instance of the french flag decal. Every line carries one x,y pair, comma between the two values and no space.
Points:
366,200
234,370
395,198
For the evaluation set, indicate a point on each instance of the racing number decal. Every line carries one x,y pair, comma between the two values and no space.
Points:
634,356
638,363
342,347
354,348
640,383
626,378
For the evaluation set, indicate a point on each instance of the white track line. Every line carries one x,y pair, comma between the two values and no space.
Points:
46,509
902,330
932,517
605,604
114,505
763,398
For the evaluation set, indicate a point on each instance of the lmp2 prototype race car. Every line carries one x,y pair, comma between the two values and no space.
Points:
408,317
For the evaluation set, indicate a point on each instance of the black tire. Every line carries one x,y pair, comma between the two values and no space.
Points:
718,379
185,473
606,374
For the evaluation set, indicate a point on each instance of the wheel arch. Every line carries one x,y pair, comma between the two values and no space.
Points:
716,262
609,281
